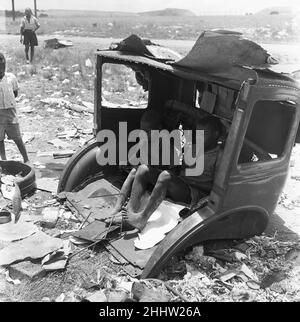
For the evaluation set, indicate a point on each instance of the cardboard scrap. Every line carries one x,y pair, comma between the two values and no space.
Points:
59,143
163,220
47,184
33,247
11,232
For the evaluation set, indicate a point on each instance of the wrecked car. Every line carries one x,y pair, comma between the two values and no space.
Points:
228,77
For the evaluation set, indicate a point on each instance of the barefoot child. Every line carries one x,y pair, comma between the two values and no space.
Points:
9,124
29,25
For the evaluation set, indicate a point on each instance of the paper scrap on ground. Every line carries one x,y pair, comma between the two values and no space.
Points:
8,179
7,191
59,143
33,247
163,220
11,232
47,184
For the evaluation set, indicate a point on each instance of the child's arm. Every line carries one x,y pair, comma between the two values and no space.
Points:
22,31
37,24
14,84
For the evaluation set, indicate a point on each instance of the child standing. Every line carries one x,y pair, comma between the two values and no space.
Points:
9,124
29,25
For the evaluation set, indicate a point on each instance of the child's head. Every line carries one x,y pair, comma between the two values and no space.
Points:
28,12
151,120
2,65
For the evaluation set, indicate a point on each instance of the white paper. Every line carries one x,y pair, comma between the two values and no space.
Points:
163,220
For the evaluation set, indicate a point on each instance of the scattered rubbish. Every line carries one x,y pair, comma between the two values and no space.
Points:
7,191
47,184
36,246
88,63
164,219
27,137
55,43
63,154
271,278
59,143
241,295
142,293
50,217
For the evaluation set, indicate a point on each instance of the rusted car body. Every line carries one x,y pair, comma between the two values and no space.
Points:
262,111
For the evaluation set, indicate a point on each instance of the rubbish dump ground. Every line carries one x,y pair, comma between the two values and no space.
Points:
55,112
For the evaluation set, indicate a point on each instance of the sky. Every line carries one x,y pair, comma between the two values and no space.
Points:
197,6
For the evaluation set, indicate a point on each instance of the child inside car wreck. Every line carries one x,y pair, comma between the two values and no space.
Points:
170,182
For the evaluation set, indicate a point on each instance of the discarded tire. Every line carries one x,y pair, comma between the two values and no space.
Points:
27,183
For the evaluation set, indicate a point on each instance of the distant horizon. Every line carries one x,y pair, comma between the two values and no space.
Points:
205,7
144,11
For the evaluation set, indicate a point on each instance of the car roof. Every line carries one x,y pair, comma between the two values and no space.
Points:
233,79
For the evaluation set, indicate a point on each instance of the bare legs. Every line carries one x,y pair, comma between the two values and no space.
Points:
26,52
31,53
20,144
125,191
2,150
137,215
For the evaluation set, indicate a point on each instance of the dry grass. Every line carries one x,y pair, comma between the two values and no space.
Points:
80,269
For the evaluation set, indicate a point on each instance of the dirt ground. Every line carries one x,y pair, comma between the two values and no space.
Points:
41,122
